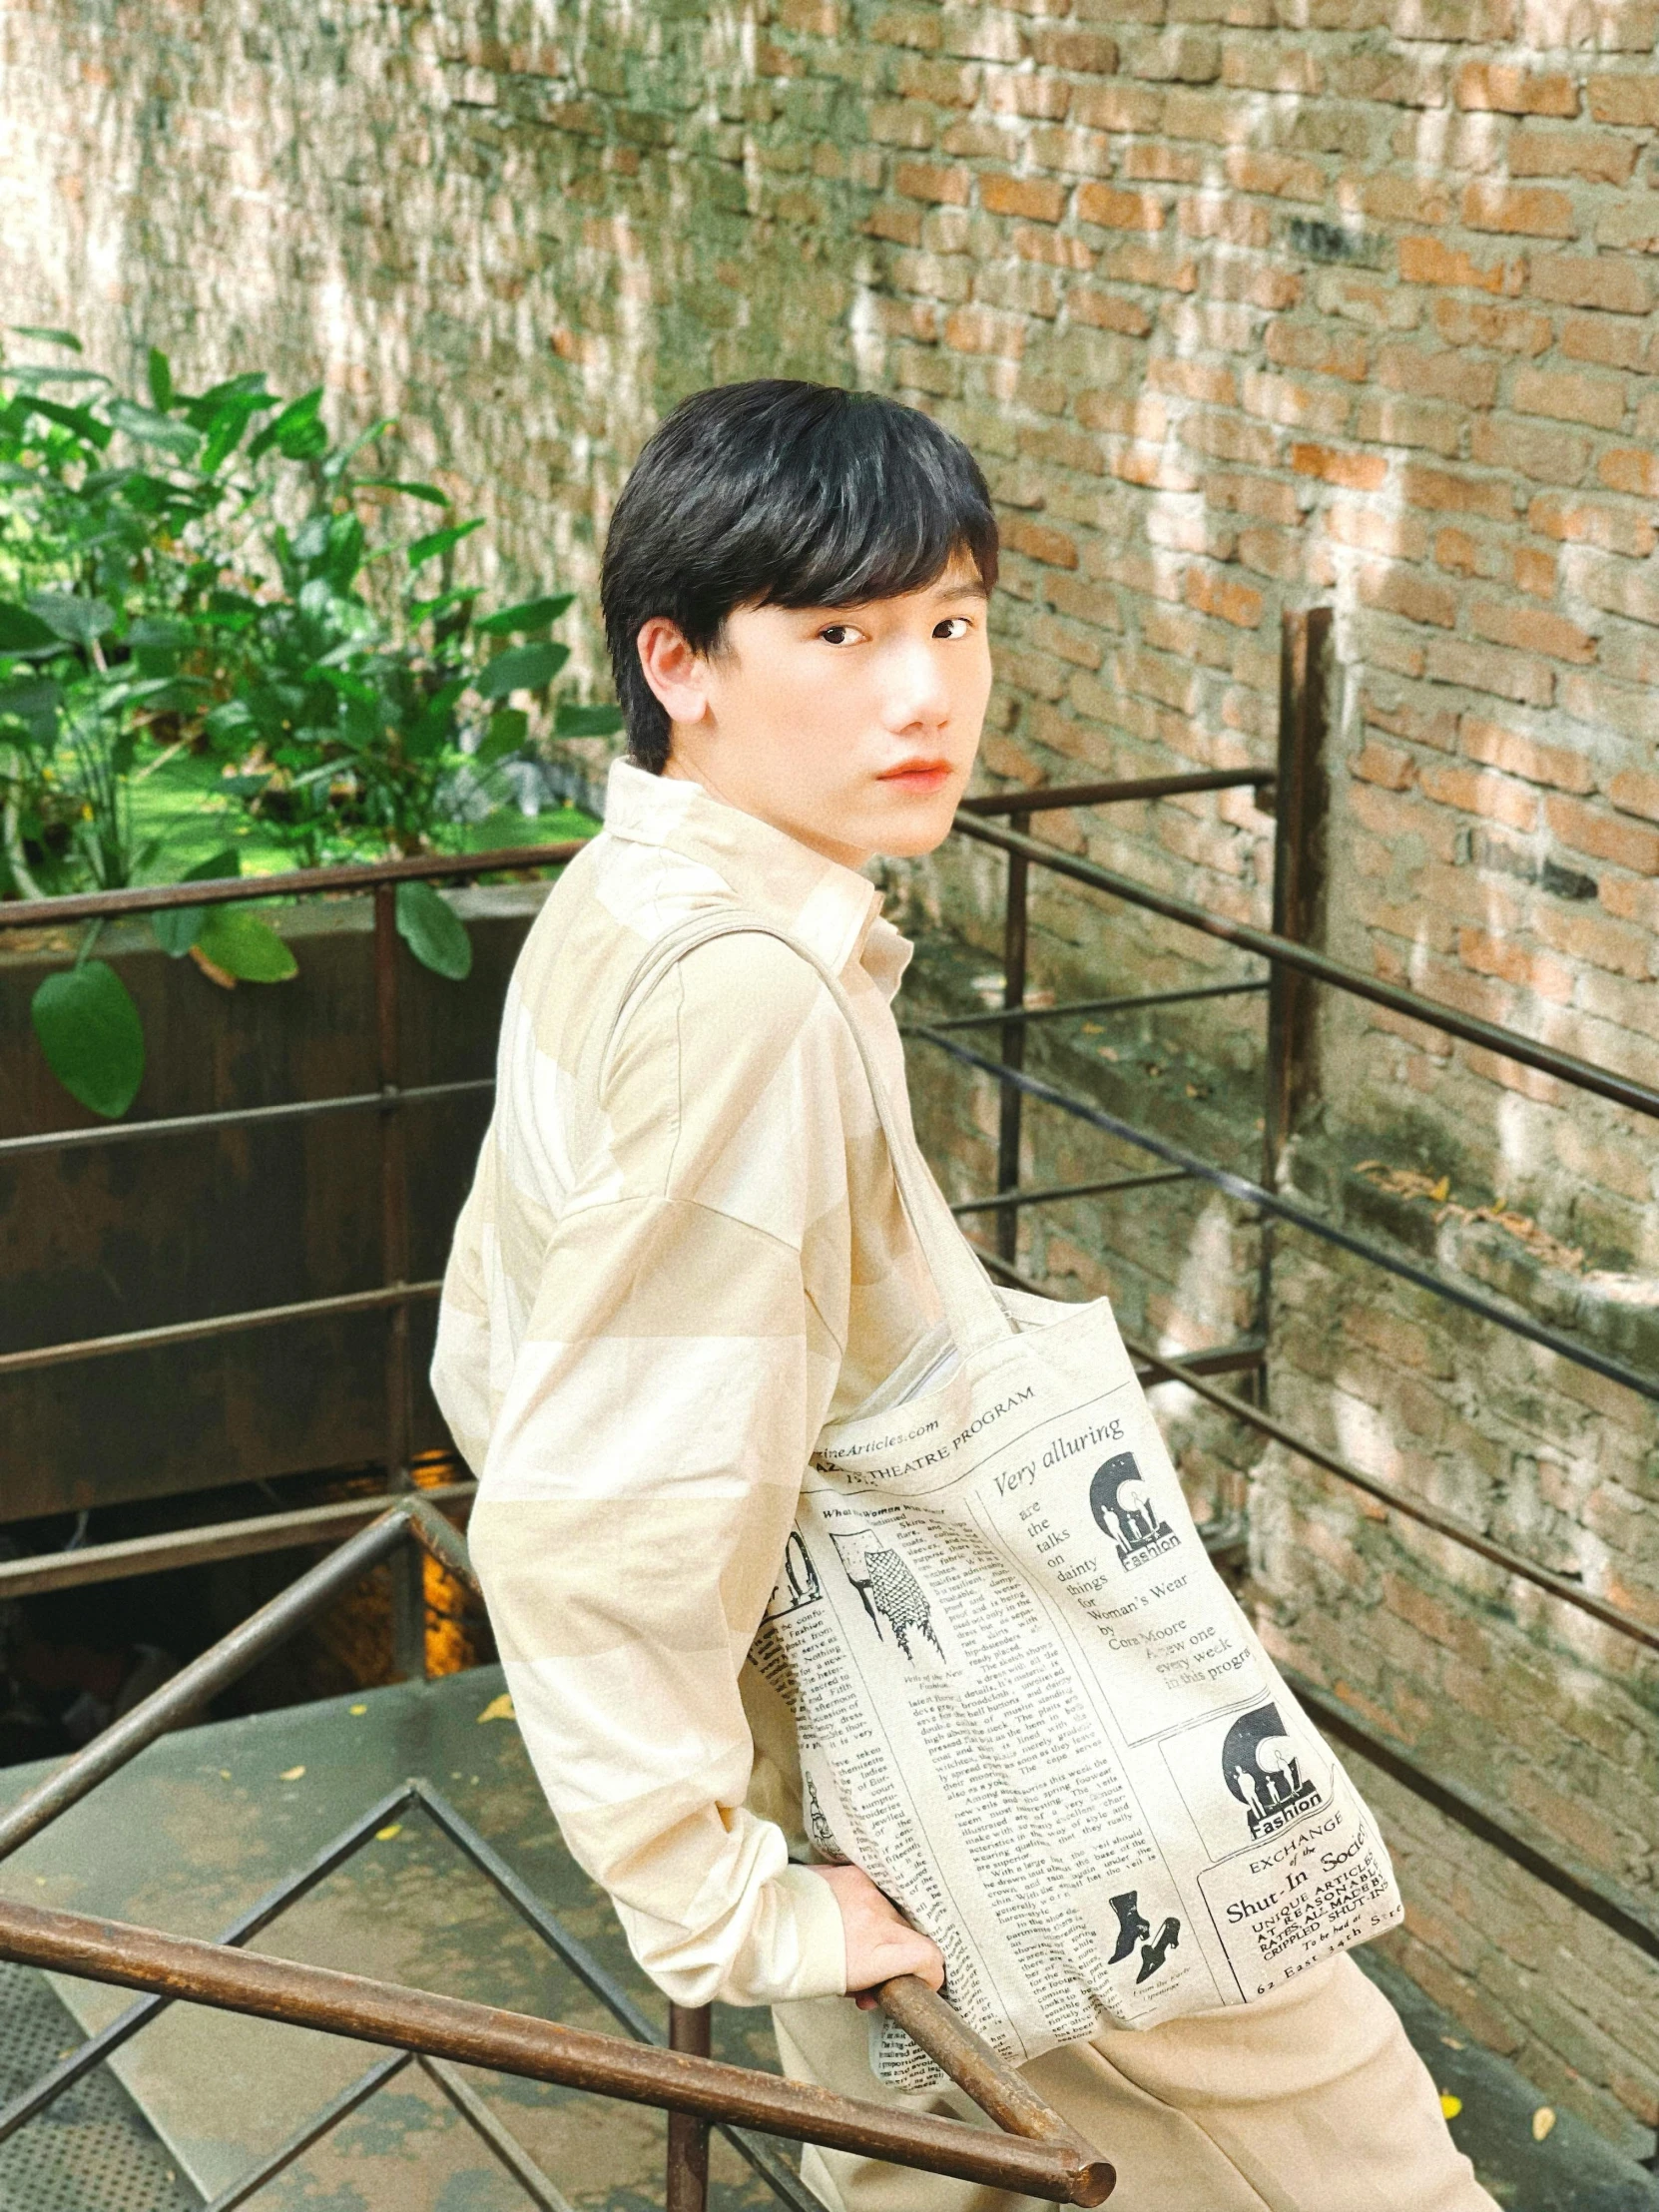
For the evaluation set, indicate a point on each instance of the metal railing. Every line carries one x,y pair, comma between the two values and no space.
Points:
1030,2150
390,1102
1295,968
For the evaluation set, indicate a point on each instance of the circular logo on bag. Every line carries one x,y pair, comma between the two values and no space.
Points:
1120,1501
1262,1769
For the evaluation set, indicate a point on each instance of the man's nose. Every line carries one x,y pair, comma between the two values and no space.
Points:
915,689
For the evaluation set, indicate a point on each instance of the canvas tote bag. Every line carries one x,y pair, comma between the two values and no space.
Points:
1027,1705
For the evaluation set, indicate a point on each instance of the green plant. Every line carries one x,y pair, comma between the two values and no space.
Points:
209,573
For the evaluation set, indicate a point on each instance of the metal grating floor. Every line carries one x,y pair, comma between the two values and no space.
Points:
95,2151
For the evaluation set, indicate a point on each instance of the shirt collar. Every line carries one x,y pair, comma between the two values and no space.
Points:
831,909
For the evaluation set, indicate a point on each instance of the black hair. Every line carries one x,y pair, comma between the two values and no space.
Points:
786,494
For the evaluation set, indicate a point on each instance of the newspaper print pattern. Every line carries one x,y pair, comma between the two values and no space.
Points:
1029,1708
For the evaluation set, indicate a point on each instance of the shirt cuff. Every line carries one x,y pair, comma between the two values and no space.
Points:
820,1945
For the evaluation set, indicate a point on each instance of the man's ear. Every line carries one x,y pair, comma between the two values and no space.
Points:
678,676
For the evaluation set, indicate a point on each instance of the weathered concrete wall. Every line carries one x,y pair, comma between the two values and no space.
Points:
1243,307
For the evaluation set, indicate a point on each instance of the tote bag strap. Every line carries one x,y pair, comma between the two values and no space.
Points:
976,1316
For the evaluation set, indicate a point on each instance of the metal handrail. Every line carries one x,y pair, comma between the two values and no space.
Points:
1037,2153
1292,966
1290,961
35,1573
244,1117
1134,1003
1054,2166
1192,1368
180,1698
1289,1210
218,1324
1507,1044
1115,791
299,882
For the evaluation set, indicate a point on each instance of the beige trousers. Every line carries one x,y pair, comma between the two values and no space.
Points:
1309,2099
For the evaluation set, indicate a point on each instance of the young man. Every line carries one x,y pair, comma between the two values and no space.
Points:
663,1289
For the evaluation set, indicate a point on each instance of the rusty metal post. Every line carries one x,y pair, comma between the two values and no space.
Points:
1300,807
1015,922
408,1571
688,2029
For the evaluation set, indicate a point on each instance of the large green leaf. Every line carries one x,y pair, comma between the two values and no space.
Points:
30,375
433,932
437,542
225,431
164,432
521,668
34,701
157,642
304,441
91,1034
571,721
510,727
438,610
528,615
178,927
244,947
160,378
341,680
84,425
232,726
22,632
73,617
295,431
149,495
435,723
249,386
343,550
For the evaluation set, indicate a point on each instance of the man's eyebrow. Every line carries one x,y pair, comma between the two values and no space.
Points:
974,589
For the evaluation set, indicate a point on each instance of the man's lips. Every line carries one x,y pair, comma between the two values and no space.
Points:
916,774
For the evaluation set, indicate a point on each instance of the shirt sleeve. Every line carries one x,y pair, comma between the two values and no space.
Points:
641,1476
461,1355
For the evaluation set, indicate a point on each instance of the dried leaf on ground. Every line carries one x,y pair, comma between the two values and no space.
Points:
1436,1191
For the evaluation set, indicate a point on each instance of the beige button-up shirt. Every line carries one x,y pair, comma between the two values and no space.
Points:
656,1297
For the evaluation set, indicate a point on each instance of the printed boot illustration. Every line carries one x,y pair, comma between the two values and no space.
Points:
1133,1928
1153,1955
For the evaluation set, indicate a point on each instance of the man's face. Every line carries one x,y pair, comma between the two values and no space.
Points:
854,728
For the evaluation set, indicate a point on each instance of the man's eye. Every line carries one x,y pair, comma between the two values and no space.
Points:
954,626
837,633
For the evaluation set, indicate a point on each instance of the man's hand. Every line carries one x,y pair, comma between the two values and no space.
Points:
880,1943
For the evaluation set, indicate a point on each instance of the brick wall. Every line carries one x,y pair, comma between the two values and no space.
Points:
1242,309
